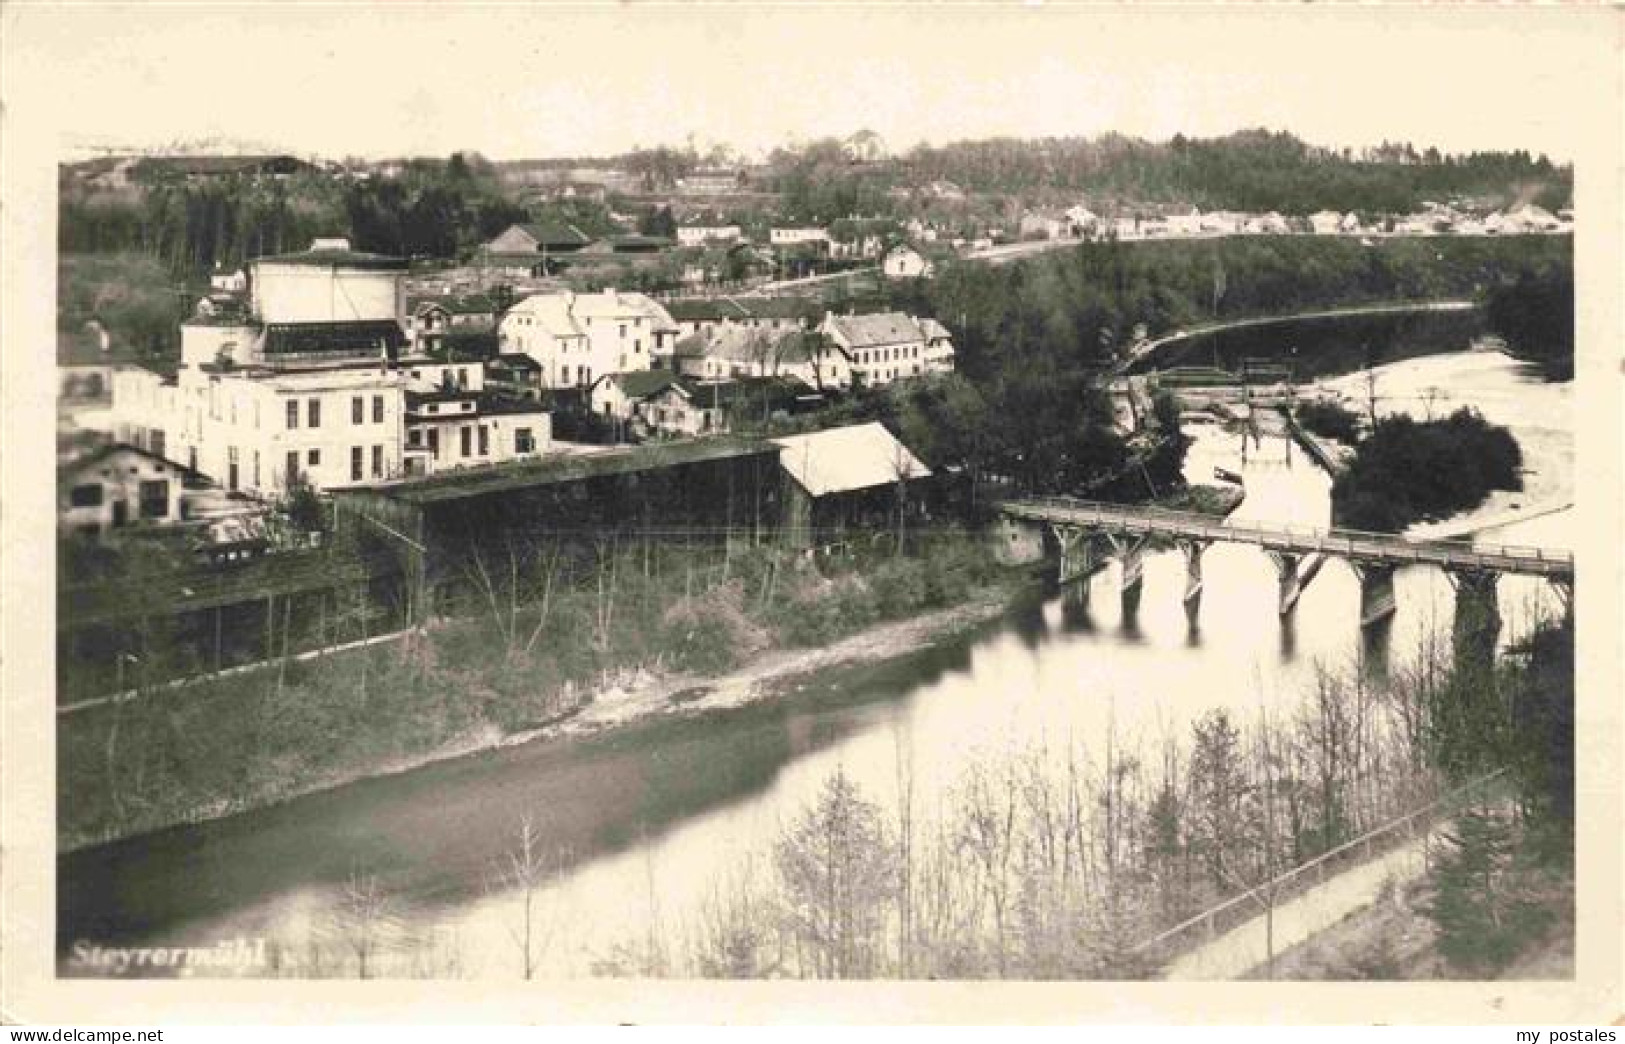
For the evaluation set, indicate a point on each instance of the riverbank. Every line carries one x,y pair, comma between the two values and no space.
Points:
1540,417
220,749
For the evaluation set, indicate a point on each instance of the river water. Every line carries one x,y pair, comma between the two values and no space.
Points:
651,818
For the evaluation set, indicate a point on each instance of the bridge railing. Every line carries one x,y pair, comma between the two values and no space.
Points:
1334,539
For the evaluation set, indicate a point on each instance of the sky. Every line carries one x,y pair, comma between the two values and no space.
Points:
530,80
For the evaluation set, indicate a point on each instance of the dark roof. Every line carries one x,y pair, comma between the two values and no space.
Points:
640,384
455,304
554,234
516,361
416,398
470,344
557,470
326,258
351,338
783,307
697,309
496,403
100,453
779,391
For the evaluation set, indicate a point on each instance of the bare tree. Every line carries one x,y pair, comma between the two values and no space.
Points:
364,918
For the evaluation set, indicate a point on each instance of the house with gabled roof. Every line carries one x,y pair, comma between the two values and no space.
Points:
577,338
888,346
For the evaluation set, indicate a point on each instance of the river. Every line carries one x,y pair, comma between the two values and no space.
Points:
650,818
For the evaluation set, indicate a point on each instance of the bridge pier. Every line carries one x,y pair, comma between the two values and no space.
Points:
1193,576
1079,559
1478,617
1564,587
1293,577
1130,552
1376,592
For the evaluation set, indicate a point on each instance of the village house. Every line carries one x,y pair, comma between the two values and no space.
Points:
1082,221
1270,224
848,481
118,486
432,320
1037,224
694,235
531,248
711,181
734,351
688,408
888,346
577,338
904,262
1325,222
798,235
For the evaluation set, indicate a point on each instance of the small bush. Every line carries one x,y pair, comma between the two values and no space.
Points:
1330,420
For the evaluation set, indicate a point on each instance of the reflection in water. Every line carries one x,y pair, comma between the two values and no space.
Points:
1289,637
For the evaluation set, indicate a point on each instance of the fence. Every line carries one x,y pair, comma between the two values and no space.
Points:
1306,875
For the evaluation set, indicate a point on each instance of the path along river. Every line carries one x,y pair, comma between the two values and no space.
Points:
654,815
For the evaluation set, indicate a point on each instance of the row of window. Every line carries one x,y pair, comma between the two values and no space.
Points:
358,460
524,440
890,354
152,499
313,411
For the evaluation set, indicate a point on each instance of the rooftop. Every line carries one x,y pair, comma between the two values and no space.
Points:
840,460
556,470
640,384
334,253
882,328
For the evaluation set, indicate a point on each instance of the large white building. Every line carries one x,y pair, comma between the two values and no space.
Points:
307,383
577,338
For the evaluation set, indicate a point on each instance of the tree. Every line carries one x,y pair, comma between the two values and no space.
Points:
836,865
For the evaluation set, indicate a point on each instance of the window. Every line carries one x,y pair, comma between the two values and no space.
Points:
357,409
378,462
434,443
256,469
355,463
623,330
523,441
293,414
88,495
314,419
485,441
378,409
155,499
314,458
462,377
466,437
637,344
291,473
414,438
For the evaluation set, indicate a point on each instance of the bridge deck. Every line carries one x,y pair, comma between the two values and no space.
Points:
1384,548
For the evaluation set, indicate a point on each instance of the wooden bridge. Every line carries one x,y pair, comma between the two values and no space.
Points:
1089,534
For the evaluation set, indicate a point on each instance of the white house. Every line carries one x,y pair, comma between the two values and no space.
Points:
796,235
577,338
889,346
700,235
1325,222
904,262
118,486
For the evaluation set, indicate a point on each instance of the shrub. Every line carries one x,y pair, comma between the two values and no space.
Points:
1330,420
